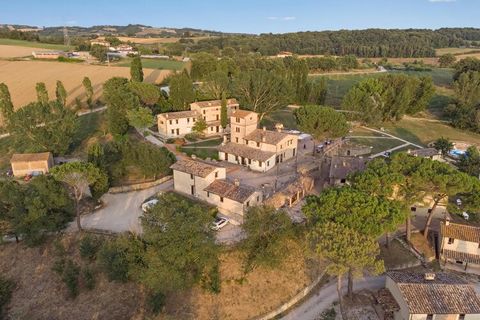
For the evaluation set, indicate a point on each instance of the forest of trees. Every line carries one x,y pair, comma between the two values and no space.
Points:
362,43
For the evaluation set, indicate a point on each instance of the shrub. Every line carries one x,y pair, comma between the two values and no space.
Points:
6,290
70,275
156,301
211,281
113,260
59,266
89,278
194,136
89,246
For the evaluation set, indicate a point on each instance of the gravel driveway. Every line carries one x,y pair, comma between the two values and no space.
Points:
121,210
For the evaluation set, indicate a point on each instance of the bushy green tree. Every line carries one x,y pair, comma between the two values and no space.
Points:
140,118
470,162
444,145
6,105
81,177
202,65
148,93
32,211
267,233
262,91
181,91
119,100
446,60
99,52
200,126
39,127
180,244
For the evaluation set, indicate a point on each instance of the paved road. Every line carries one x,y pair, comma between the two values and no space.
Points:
317,303
122,210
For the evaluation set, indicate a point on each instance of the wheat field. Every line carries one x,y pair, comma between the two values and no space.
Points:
21,77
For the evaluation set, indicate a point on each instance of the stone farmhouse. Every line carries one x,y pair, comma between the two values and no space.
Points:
341,167
258,149
431,296
31,163
460,247
178,124
207,181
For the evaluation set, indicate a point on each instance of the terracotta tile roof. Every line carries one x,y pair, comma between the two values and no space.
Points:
226,189
271,137
213,103
179,114
425,152
461,256
195,167
460,232
446,294
242,113
246,152
341,167
28,157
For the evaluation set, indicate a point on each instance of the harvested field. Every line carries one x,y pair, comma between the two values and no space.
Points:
455,51
21,77
16,51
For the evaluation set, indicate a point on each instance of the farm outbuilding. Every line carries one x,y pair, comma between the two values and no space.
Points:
31,163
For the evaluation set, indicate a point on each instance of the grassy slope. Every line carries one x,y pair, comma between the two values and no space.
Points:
31,44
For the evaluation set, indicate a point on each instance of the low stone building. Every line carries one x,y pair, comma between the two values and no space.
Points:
350,149
31,163
207,182
47,54
428,153
432,296
341,167
292,193
460,247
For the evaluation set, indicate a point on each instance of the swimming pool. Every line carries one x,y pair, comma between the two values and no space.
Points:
457,152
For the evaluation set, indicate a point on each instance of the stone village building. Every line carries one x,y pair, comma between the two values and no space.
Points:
207,181
460,247
180,123
429,296
258,149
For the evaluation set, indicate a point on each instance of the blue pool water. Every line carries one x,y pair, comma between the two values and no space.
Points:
457,153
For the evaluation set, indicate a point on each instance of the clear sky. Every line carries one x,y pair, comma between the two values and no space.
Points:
249,16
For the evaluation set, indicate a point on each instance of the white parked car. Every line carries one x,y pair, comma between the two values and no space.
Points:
219,223
459,202
149,204
465,215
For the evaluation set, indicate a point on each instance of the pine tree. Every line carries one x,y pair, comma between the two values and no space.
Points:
61,93
42,93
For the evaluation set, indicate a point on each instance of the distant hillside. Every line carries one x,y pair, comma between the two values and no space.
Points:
410,43
131,30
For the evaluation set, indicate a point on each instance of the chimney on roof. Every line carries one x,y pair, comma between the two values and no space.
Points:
224,139
209,104
264,139
264,128
279,127
429,276
236,182
447,221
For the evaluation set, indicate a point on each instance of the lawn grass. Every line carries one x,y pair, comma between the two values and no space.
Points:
396,255
283,116
207,143
378,145
422,131
202,153
32,44
160,64
359,131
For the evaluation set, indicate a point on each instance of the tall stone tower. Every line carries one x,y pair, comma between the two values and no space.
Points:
242,123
